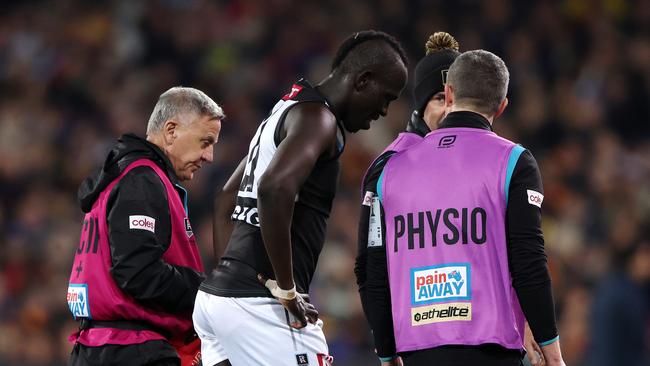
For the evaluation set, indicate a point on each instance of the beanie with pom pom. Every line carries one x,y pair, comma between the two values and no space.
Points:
431,71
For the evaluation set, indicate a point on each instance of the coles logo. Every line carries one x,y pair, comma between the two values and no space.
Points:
440,283
141,222
535,198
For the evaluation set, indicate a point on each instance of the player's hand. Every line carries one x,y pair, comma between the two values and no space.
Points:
533,351
299,307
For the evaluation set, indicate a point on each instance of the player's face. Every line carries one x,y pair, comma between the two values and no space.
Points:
192,145
435,110
373,99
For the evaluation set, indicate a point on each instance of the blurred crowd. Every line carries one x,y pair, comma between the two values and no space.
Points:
76,74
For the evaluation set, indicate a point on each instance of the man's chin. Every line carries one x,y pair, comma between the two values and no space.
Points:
365,126
362,126
186,176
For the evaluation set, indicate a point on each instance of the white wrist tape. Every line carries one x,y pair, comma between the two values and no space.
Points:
279,293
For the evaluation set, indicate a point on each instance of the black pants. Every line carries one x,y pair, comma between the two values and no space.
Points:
152,353
484,355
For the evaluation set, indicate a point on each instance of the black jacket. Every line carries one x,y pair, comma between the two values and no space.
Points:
136,255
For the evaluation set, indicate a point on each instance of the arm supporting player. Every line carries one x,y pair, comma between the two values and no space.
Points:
137,265
224,204
371,270
526,254
310,132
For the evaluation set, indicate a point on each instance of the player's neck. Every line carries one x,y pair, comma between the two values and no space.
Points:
332,88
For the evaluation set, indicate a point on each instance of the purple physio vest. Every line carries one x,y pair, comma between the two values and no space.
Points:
403,141
92,292
445,205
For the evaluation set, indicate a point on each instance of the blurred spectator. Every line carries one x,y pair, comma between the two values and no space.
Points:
621,310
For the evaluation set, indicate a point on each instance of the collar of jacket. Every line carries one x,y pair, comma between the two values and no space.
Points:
465,119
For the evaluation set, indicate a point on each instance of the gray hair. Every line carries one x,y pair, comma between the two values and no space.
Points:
179,101
480,80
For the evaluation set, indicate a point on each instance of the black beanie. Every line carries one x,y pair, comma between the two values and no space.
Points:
429,76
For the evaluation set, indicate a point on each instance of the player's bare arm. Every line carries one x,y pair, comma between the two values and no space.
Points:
224,204
310,132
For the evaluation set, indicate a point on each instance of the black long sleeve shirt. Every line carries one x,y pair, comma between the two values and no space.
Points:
525,246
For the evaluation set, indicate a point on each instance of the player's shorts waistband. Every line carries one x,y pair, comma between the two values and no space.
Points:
233,278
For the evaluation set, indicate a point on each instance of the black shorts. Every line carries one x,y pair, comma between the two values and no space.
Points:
151,353
484,355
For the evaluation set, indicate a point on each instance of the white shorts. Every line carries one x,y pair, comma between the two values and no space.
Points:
255,331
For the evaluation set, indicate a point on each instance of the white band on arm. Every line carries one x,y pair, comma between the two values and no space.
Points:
279,293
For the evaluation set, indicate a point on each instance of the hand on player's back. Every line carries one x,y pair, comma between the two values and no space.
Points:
300,307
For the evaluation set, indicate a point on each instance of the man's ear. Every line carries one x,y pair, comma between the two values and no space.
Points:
362,80
170,131
502,107
449,95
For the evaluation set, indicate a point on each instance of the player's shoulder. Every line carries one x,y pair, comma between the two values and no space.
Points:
303,91
377,168
526,162
140,183
313,116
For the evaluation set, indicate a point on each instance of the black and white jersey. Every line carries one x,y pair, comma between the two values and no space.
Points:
262,148
245,257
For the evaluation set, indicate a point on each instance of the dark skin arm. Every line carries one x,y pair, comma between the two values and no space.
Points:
310,133
224,204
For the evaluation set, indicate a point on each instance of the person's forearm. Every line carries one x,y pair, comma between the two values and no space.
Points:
222,225
275,206
526,255
362,248
170,287
376,302
224,205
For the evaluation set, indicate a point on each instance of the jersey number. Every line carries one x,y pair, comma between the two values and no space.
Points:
249,173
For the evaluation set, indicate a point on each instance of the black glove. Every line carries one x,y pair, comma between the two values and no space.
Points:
417,125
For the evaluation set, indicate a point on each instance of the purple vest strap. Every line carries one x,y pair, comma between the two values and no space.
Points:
403,141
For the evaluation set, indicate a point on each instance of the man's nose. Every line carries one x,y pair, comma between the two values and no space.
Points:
208,154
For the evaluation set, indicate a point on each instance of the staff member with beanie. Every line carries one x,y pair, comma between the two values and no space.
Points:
441,49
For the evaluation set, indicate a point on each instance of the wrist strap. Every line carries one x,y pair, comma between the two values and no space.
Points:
550,341
285,294
279,293
386,359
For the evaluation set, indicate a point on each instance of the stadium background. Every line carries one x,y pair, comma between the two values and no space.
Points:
74,75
